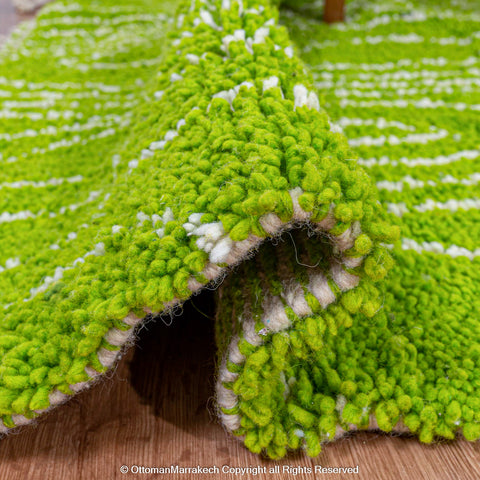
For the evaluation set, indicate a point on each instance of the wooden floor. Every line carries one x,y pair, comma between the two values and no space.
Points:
155,410
8,17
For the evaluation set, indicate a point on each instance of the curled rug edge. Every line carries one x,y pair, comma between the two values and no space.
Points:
305,199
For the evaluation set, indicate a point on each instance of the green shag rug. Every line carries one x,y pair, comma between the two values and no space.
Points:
149,149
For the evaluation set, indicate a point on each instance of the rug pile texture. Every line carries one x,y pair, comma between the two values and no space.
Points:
324,178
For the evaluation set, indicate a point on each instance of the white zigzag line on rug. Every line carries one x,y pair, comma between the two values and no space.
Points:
31,86
397,186
323,68
434,83
425,162
83,20
452,205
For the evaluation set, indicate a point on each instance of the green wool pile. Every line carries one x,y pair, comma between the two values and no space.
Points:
150,149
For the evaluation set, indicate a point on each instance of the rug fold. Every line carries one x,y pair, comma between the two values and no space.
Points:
190,150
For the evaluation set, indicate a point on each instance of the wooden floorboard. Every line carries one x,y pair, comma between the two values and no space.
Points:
156,409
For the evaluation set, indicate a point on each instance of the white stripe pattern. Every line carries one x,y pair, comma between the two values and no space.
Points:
394,140
436,247
453,205
41,183
473,179
427,162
